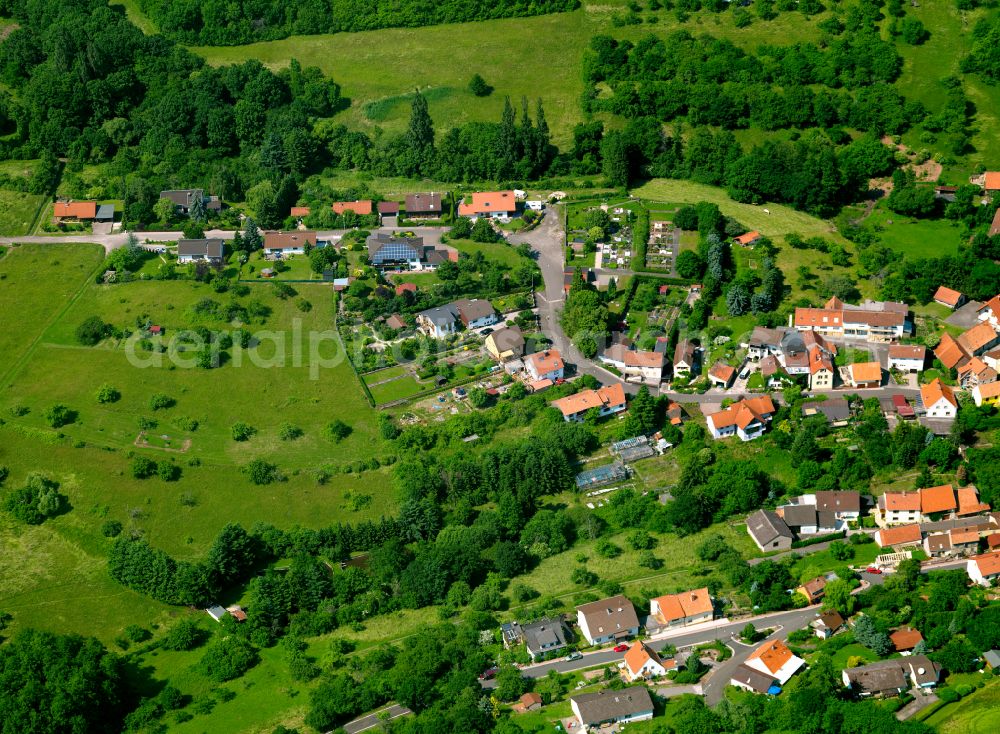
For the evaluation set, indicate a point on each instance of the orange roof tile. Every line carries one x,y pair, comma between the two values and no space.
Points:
809,317
299,211
722,371
947,296
949,351
866,372
685,604
543,362
748,238
78,209
907,351
993,540
992,181
886,537
988,391
937,499
638,655
743,413
988,563
963,537
773,654
634,358
901,501
977,337
968,499
362,207
992,305
607,396
905,639
488,202
935,391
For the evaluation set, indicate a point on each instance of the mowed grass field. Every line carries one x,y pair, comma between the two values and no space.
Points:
17,212
977,714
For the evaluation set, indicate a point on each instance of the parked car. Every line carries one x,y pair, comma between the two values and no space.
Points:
873,569
575,655
488,674
621,648
486,332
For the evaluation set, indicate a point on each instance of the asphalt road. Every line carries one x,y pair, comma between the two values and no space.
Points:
373,719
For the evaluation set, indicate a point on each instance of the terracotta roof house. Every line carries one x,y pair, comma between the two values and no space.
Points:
991,181
505,344
387,208
990,311
298,211
545,365
964,541
493,204
77,211
813,590
635,364
988,394
875,321
905,639
642,663
747,419
774,658
821,373
607,620
897,508
680,610
935,500
606,400
769,531
406,288
530,701
423,206
948,297
900,536
938,399
865,374
360,207
748,239
984,569
288,243
722,375
594,710
993,541
395,322
975,372
950,352
980,338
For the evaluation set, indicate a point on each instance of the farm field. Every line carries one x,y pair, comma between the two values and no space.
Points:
916,237
17,212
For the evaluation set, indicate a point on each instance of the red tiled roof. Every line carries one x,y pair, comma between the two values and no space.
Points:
905,639
900,501
487,202
949,351
748,238
977,337
773,654
299,211
947,296
608,396
362,207
992,181
937,499
886,537
935,391
988,563
404,287
723,371
866,372
78,209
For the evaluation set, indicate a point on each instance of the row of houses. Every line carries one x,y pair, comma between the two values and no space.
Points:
873,321
819,513
928,505
443,321
415,206
276,245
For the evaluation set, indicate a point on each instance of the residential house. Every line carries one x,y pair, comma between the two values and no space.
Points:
875,321
938,399
937,501
74,211
986,394
769,532
992,657
505,344
587,275
492,204
635,365
827,624
899,536
905,639
530,701
821,372
755,681
546,365
937,545
439,322
991,183
837,411
423,206
801,519
642,663
907,358
975,372
607,620
183,200
794,353
606,400
763,342
299,212
205,250
948,297
747,419
283,244
395,321
990,312
748,240
979,339
722,375
608,706
950,352
897,508
362,207
387,209
511,634
544,636
891,677
844,505
391,251
685,358
969,502
865,374
683,609
813,590
774,658
406,288
984,569
964,542
772,371
475,313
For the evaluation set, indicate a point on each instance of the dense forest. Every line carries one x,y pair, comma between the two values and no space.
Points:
230,23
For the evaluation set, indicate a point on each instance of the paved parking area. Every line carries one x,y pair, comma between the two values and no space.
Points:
965,317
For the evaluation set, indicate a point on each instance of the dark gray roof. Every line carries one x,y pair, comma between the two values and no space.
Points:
826,519
433,256
992,657
200,248
835,409
880,677
798,515
545,633
508,339
792,342
609,616
765,337
446,314
423,203
923,669
766,527
185,197
610,705
105,211
974,522
755,679
379,240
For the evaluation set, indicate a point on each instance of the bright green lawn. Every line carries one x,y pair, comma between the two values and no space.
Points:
404,387
977,714
498,251
842,655
18,168
36,282
916,237
17,212
814,564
